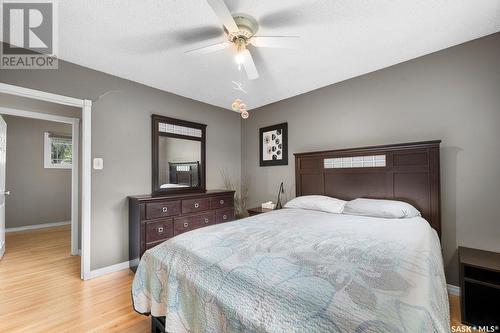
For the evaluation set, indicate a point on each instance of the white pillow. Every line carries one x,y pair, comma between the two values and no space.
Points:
317,202
390,209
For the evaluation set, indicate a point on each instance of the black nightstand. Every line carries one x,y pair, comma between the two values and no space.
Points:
480,287
257,211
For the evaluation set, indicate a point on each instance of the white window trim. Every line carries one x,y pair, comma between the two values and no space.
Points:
47,160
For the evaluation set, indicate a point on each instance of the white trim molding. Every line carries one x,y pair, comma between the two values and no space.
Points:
36,115
109,269
453,290
37,226
87,188
86,173
2,250
75,193
40,95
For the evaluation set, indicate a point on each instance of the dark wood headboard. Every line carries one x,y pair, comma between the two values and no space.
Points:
189,177
410,174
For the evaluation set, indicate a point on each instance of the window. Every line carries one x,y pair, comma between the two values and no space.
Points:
58,151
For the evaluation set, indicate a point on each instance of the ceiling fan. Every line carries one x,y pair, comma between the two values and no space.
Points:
240,30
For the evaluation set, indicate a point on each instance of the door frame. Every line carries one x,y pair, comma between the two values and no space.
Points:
86,172
3,156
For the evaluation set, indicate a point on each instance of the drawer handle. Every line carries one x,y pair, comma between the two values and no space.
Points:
224,217
196,205
160,230
164,209
206,221
186,224
221,202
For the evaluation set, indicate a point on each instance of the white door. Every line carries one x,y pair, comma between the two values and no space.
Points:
3,192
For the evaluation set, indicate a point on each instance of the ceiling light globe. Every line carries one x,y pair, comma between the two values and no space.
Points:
242,107
245,114
239,58
235,106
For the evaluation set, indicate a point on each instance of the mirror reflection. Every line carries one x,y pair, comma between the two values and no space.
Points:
179,163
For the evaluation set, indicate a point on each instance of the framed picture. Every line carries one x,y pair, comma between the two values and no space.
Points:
274,145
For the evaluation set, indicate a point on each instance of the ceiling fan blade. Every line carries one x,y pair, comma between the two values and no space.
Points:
208,49
249,65
224,15
284,42
292,16
195,35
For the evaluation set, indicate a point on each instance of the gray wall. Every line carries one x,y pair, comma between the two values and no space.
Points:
121,134
38,195
453,95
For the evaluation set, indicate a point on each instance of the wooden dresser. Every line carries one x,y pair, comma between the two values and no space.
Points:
154,219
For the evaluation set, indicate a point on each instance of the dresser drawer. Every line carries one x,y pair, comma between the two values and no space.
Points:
162,209
194,205
191,222
221,202
160,230
153,244
224,215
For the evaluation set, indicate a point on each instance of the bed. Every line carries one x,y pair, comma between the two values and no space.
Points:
298,270
182,175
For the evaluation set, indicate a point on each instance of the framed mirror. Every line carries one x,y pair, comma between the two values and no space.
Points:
178,150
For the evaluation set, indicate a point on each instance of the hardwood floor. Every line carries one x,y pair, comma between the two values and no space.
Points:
41,290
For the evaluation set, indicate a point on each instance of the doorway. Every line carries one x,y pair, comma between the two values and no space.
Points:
41,163
83,201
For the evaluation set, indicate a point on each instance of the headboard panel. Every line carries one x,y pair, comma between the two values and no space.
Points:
410,173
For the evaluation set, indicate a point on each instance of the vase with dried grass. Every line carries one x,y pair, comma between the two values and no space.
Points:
241,189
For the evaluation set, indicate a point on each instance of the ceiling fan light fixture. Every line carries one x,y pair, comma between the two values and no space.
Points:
236,105
239,106
241,30
240,44
239,58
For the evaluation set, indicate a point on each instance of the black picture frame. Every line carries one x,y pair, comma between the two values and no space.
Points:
283,145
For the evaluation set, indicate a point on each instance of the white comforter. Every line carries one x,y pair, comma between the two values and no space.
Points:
298,271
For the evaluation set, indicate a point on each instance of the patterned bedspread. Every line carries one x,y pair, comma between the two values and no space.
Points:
297,271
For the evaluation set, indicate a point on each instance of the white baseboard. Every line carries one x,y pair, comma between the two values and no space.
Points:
109,269
37,226
453,290
2,250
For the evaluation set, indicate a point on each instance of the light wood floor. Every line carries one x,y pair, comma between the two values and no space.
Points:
41,290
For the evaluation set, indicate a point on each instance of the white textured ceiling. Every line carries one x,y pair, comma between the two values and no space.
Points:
145,40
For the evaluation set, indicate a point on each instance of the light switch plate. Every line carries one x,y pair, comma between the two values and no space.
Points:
98,163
